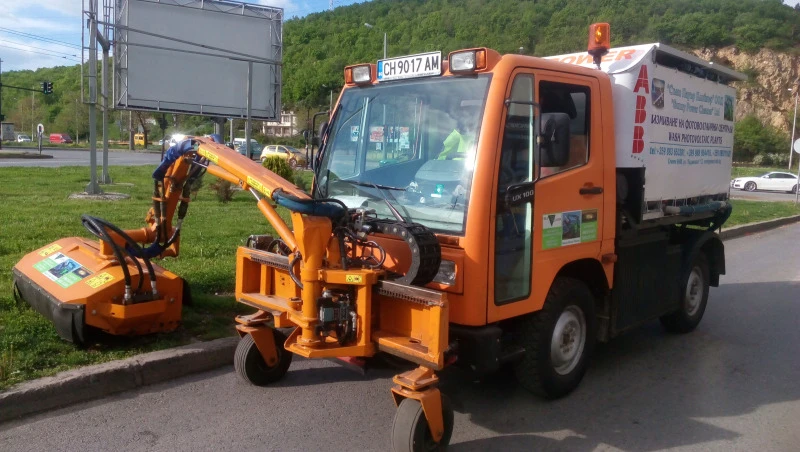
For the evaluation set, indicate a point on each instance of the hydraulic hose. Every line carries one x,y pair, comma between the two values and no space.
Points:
328,207
132,249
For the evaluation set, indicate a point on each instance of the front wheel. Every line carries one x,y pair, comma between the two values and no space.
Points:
750,186
694,297
558,340
251,366
410,431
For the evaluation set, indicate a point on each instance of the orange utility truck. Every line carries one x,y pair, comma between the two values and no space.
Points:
478,211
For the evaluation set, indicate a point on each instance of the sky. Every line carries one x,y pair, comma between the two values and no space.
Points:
46,33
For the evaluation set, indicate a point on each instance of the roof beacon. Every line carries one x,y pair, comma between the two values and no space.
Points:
599,41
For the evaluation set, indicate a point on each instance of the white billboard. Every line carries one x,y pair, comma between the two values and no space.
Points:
198,57
673,116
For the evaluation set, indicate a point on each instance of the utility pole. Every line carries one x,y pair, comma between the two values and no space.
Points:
794,121
77,130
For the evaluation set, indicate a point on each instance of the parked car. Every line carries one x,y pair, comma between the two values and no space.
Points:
22,138
60,138
255,148
776,180
295,157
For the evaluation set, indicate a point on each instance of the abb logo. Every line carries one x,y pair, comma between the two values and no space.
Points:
641,113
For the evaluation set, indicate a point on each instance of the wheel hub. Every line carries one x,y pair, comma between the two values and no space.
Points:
568,340
694,292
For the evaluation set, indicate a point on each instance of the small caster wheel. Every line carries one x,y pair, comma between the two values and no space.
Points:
410,431
252,368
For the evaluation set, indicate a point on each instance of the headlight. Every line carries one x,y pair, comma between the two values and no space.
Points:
468,60
446,274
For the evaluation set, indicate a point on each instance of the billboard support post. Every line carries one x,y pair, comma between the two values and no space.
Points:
105,178
248,125
93,188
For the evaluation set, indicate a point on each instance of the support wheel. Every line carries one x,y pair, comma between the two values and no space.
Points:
410,431
750,186
694,296
558,340
252,368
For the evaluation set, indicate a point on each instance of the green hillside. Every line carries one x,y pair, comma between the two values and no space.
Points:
318,46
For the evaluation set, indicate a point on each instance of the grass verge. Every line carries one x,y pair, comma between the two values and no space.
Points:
38,212
754,211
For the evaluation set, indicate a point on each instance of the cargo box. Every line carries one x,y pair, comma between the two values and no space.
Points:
673,115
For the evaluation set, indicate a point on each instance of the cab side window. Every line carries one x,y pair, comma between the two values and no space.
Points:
572,100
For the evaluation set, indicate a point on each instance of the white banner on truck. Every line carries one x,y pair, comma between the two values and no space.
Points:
677,125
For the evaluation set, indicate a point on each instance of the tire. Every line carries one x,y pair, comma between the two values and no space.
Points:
250,365
293,163
794,189
694,297
410,432
750,186
568,315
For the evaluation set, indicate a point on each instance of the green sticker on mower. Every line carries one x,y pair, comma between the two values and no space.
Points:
62,270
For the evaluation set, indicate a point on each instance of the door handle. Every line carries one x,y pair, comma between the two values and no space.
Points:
590,190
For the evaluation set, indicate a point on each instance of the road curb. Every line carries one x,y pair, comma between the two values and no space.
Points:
751,228
100,380
97,381
23,155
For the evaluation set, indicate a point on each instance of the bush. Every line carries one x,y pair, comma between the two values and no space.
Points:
223,189
752,139
280,167
763,160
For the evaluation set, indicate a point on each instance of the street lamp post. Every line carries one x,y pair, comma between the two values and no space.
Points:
384,38
794,121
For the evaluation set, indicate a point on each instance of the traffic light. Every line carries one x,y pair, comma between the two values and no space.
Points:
44,87
47,87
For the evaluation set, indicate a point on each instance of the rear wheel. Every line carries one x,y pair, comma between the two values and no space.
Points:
410,431
794,189
252,368
750,186
694,296
293,163
558,340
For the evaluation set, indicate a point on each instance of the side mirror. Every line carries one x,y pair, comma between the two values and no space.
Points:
554,139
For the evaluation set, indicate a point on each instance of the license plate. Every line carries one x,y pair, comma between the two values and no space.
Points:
412,66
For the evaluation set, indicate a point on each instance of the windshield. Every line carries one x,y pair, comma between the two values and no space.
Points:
411,144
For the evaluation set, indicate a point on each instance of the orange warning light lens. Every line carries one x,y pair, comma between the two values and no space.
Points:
599,38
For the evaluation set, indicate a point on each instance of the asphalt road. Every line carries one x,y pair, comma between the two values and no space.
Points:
762,195
730,385
73,157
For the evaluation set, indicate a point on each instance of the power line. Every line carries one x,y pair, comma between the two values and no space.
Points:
42,53
39,38
38,48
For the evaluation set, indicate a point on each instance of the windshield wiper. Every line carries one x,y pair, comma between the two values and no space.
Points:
372,184
380,189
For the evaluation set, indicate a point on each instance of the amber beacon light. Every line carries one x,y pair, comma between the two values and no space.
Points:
599,41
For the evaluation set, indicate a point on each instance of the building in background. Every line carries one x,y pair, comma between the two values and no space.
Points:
287,127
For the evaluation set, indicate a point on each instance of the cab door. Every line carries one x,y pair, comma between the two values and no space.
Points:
561,222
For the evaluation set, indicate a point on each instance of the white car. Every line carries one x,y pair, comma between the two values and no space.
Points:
21,138
775,180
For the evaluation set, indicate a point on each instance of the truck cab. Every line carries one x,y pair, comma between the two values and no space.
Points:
515,163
